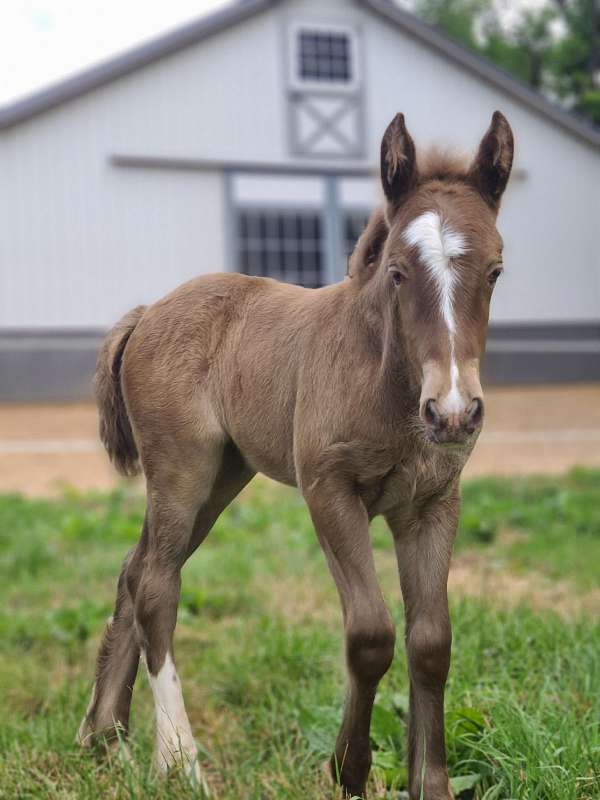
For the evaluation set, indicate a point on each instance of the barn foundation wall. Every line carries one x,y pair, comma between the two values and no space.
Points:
47,366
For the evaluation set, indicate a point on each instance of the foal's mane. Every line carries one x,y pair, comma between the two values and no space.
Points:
442,165
434,166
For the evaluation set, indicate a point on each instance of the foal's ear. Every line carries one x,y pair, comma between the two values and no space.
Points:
398,161
491,168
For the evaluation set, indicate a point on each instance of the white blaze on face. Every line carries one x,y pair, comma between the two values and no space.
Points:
175,743
438,243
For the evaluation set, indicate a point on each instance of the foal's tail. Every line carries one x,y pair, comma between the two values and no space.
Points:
115,428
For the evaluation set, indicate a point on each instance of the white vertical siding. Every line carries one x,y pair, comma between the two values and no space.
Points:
88,241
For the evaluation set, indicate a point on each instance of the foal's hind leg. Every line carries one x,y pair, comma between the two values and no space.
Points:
179,521
117,661
118,658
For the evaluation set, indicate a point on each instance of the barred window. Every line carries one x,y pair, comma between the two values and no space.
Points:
324,56
286,245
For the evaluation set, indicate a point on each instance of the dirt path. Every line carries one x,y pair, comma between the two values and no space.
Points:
538,429
533,429
479,574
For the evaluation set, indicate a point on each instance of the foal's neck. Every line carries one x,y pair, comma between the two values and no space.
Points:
382,335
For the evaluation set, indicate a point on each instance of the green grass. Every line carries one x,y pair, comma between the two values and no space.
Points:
556,523
259,646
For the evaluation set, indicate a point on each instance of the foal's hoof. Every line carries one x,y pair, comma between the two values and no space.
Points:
89,737
109,743
167,760
434,790
85,735
331,770
106,736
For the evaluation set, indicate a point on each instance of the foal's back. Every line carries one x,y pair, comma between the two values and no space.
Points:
220,356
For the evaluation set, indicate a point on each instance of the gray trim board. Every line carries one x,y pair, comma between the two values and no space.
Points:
229,222
65,337
177,163
214,165
334,270
206,26
56,365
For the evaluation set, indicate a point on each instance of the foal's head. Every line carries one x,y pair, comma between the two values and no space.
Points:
434,254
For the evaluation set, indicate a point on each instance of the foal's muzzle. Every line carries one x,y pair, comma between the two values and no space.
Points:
455,428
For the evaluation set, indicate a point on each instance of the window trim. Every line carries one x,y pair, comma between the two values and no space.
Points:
298,83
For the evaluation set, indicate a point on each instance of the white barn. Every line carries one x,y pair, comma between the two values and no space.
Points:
248,141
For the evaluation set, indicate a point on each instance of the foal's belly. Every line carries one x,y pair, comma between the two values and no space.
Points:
268,454
279,471
266,443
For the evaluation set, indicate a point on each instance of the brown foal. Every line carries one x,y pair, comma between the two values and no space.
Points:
364,394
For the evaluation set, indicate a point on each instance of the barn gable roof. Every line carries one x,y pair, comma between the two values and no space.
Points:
194,32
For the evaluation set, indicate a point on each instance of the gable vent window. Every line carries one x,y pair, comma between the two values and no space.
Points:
286,245
324,56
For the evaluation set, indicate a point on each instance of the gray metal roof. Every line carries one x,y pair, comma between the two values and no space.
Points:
193,32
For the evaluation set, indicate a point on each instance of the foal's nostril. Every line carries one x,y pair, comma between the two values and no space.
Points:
432,415
474,413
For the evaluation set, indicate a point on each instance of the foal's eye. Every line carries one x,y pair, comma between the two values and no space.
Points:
397,275
494,275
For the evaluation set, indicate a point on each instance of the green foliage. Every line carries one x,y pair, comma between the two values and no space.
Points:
574,60
554,48
456,17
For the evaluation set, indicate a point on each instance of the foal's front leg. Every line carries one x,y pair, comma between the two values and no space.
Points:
423,548
342,526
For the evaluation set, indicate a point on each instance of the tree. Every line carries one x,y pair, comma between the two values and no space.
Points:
575,59
457,18
524,49
555,48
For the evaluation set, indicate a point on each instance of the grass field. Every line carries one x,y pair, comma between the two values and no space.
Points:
259,648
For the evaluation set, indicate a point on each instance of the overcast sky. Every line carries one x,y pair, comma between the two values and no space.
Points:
42,41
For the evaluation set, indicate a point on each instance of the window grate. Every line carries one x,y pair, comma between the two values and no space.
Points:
286,245
324,57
